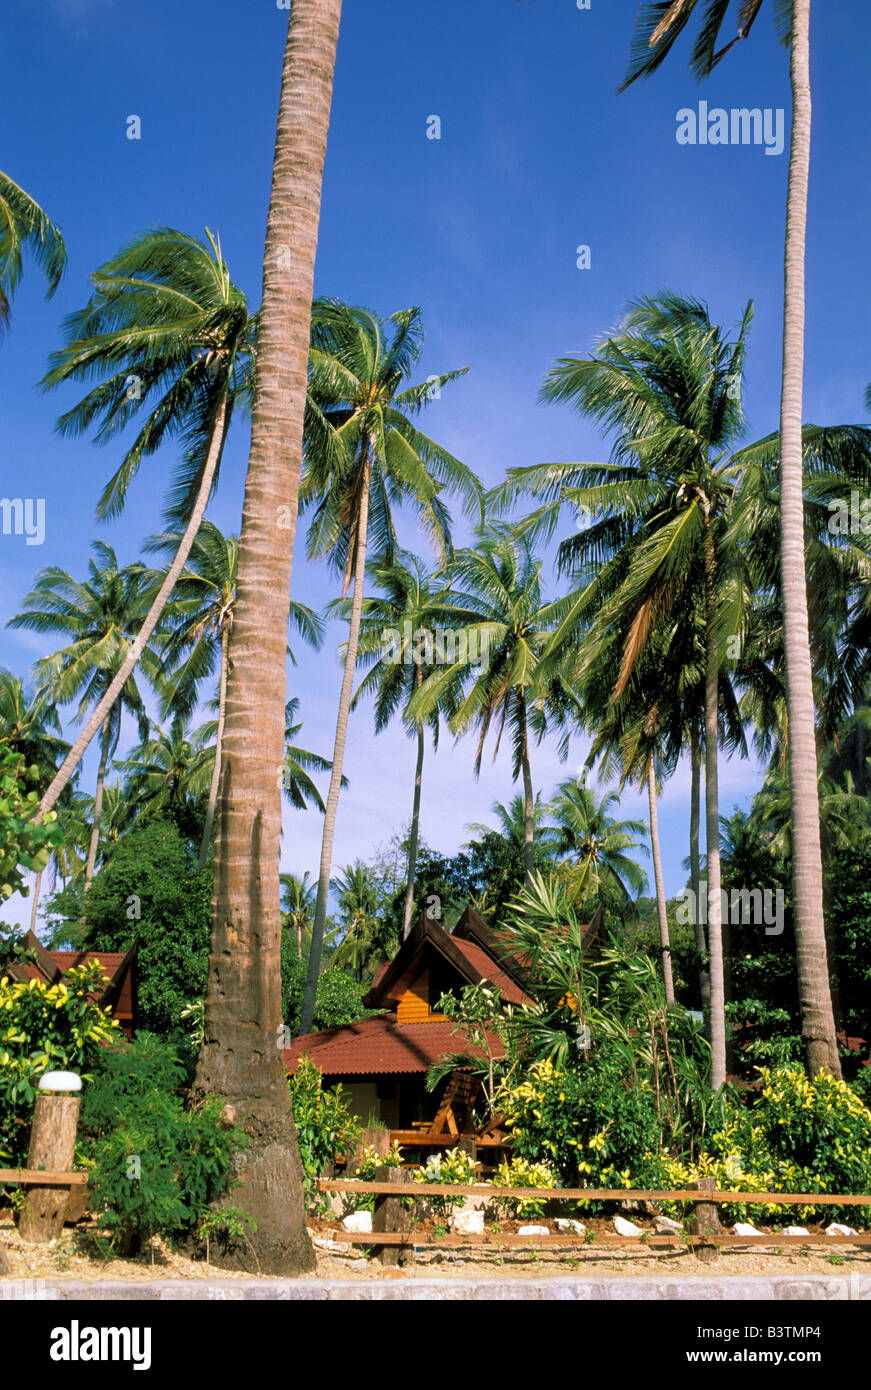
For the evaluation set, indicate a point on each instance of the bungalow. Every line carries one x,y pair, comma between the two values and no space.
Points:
119,992
382,1062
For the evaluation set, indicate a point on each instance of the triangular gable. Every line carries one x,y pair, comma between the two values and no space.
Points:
408,964
472,927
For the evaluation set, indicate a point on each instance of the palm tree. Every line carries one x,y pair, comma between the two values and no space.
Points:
198,623
664,381
512,825
298,898
101,616
239,1059
364,454
30,726
24,226
170,336
357,896
170,768
403,635
598,845
298,765
657,28
501,665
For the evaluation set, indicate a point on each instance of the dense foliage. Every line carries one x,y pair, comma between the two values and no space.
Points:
150,888
156,1165
25,844
45,1027
326,1129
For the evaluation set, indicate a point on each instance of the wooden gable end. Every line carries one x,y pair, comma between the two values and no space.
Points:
431,977
413,1005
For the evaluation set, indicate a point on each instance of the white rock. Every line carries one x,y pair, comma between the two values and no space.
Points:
334,1247
360,1221
468,1223
795,1231
568,1224
663,1225
626,1228
533,1230
836,1229
743,1228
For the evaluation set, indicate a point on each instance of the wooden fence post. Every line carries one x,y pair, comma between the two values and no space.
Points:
467,1145
705,1220
52,1146
377,1139
391,1215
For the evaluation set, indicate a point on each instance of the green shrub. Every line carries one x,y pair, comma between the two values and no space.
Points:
862,1085
519,1172
802,1136
367,1167
326,1128
44,1028
156,1166
452,1166
338,1000
160,1167
590,1125
125,1076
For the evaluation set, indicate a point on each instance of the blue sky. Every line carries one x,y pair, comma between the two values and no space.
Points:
538,156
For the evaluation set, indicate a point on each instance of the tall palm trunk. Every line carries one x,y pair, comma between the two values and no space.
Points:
712,818
528,798
817,1020
240,1058
660,889
316,948
695,870
35,906
415,826
98,805
137,647
216,770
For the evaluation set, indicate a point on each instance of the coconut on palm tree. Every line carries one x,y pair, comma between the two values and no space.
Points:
364,454
172,341
101,616
25,227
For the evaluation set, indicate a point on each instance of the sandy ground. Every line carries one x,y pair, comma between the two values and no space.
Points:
73,1254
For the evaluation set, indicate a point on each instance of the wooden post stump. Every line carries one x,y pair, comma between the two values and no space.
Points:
390,1215
468,1145
705,1220
52,1146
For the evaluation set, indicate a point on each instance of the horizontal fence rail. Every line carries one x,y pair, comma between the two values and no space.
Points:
593,1194
42,1178
705,1241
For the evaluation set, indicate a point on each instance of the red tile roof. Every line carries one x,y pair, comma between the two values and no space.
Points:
485,965
375,1046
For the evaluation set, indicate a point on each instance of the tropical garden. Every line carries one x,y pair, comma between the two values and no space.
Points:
692,596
